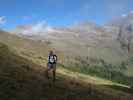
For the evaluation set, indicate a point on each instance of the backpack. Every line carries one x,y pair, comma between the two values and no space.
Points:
52,59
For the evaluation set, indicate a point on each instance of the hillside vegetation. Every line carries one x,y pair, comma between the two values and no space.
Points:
21,79
37,51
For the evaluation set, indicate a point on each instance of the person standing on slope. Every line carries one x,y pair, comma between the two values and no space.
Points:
51,65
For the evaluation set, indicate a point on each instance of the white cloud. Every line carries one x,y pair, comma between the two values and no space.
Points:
124,15
2,20
41,28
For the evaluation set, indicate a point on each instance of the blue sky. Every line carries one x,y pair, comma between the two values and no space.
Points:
60,12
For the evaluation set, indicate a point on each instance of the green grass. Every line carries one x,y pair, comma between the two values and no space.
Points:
125,89
103,72
19,76
37,51
21,79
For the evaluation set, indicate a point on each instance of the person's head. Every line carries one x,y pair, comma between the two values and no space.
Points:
51,52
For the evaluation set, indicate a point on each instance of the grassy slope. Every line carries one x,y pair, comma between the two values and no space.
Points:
39,50
24,80
27,47
28,74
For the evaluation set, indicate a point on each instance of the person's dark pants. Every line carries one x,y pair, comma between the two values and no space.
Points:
53,68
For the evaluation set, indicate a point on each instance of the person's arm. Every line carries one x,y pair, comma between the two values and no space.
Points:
56,59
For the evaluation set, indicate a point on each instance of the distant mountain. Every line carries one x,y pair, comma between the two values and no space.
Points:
119,21
85,39
122,30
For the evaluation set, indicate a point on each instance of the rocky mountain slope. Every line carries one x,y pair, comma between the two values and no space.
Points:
122,29
92,41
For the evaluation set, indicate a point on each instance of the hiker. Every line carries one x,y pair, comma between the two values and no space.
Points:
51,65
